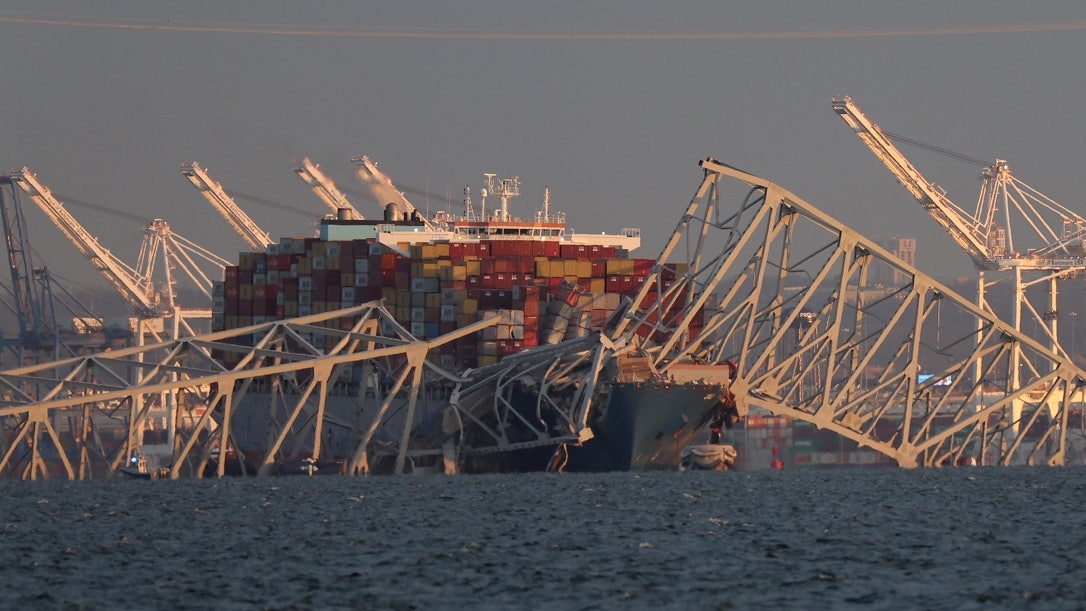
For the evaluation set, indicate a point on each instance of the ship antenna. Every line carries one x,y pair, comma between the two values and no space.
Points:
469,214
546,204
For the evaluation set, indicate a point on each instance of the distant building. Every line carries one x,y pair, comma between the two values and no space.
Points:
902,248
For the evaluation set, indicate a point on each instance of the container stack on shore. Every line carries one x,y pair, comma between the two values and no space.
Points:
546,291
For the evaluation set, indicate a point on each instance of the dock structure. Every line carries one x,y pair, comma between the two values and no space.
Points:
771,302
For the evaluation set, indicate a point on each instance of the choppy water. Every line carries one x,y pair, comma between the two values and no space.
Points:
881,538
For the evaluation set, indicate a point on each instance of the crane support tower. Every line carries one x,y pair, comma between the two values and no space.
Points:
326,190
254,236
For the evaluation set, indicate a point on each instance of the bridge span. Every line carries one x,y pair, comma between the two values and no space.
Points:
809,319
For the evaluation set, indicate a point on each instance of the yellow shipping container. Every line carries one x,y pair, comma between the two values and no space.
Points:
597,285
485,361
569,267
305,265
542,268
331,263
469,306
317,249
442,250
472,266
428,251
465,319
430,270
346,278
433,300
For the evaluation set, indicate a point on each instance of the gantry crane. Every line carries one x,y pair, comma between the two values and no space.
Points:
384,191
325,189
30,287
254,236
161,249
1052,247
135,289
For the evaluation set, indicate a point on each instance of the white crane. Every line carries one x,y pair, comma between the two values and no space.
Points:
987,235
133,287
384,191
254,236
160,249
325,189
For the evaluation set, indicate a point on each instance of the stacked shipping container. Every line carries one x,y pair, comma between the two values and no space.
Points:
545,290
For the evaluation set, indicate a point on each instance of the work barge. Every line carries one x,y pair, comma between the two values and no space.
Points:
758,305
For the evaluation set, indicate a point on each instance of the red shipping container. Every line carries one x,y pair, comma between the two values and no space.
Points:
643,267
230,291
230,273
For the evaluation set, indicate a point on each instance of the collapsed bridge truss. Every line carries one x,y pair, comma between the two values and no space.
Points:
826,326
809,319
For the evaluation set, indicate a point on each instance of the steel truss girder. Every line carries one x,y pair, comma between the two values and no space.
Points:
566,381
280,354
789,295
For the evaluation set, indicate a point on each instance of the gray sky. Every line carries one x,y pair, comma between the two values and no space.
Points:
609,103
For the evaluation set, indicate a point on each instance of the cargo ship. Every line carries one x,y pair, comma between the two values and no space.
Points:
442,273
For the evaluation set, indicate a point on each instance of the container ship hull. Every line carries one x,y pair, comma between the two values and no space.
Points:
645,427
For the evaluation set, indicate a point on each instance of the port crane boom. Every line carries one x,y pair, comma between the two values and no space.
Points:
963,229
384,191
254,236
986,235
133,287
325,189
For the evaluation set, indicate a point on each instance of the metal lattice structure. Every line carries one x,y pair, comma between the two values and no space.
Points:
297,363
790,298
770,297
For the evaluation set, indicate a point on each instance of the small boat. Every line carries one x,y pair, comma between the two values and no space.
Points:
708,457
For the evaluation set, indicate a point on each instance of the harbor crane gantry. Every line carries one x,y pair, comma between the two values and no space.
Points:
31,289
254,236
384,191
325,189
133,287
160,249
1051,246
